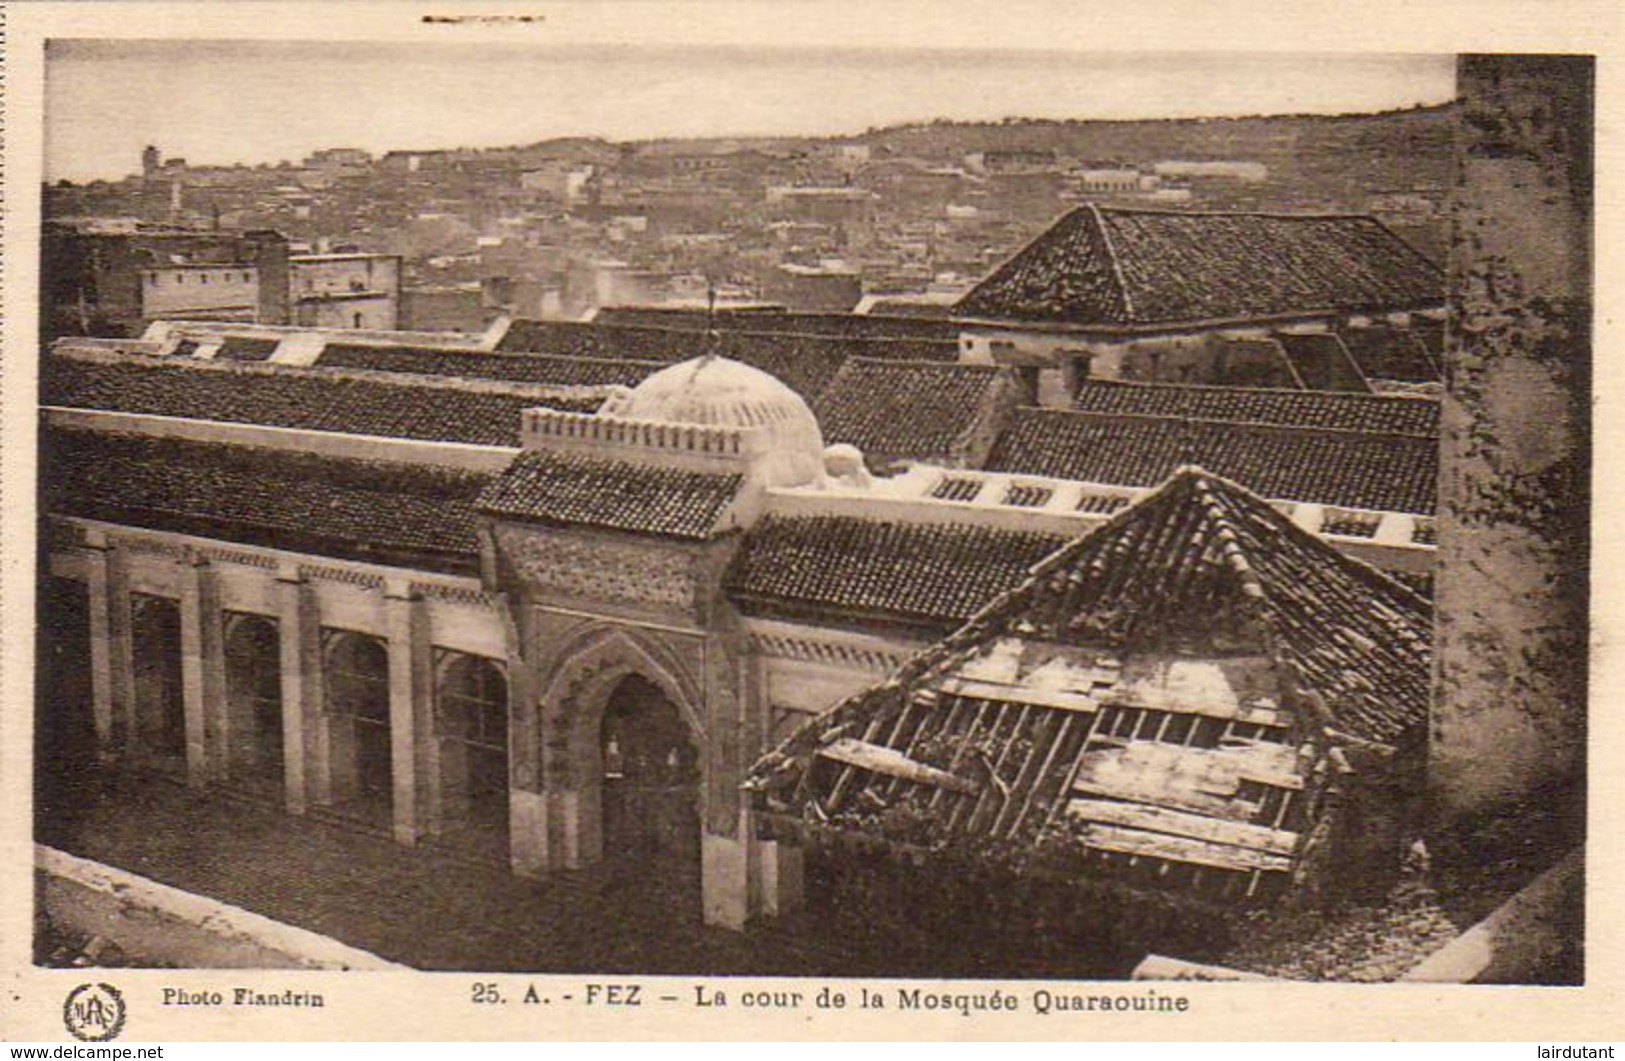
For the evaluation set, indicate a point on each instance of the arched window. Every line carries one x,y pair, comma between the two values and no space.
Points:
253,654
472,700
471,719
356,673
155,634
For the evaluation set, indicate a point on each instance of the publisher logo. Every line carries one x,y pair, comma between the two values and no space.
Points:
94,1012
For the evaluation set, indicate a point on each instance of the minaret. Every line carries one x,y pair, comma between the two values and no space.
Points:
150,162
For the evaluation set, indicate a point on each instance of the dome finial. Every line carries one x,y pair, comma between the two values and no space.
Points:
713,337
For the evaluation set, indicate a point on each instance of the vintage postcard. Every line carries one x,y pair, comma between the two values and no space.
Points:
734,520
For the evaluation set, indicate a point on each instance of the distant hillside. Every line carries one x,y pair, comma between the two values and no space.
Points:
1364,153
1340,156
1337,156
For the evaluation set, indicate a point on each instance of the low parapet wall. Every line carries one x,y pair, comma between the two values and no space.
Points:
155,924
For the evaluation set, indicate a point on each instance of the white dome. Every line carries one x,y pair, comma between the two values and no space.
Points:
722,393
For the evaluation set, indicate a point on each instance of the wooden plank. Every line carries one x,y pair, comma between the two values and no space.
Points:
1132,842
1183,823
842,783
892,763
1019,694
1240,687
1161,764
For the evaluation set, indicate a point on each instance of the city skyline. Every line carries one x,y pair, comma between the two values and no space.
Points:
229,102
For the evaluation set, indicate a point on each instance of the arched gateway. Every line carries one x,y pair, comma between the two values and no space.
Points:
622,751
611,533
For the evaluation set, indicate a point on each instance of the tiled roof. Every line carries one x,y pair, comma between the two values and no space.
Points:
916,410
354,509
619,495
848,325
1159,690
415,407
1351,469
926,574
806,363
1323,362
1115,267
475,364
1354,636
1247,405
1390,353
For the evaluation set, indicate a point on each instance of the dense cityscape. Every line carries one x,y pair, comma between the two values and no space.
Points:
951,549
900,220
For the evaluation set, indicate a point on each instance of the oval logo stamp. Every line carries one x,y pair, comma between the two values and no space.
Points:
94,1013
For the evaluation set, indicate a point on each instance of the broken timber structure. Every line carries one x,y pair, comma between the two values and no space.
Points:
1196,705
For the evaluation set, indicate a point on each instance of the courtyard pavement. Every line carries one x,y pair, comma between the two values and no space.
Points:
426,907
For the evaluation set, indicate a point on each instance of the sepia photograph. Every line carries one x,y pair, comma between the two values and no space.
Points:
1089,521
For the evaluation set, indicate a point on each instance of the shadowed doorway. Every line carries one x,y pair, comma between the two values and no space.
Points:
651,821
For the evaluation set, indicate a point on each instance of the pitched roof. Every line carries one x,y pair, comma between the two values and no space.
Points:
849,325
1390,353
916,410
623,495
806,363
417,407
478,364
1349,469
1054,722
354,509
1251,405
924,574
1113,268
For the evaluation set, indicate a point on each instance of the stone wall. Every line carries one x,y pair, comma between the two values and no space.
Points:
154,924
1507,756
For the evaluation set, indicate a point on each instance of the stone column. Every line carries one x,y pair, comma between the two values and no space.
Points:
202,674
783,870
121,652
781,864
299,641
527,806
402,617
730,875
1507,752
101,642
742,876
426,740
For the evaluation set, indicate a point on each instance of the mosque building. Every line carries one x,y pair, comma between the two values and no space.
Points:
557,622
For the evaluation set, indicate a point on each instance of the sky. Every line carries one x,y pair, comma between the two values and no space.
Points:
220,102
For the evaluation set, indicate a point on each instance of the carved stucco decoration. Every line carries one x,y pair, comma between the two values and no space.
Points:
576,694
600,570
